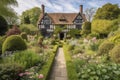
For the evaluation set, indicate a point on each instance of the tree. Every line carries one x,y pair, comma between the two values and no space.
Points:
32,14
26,20
3,25
5,7
89,12
108,11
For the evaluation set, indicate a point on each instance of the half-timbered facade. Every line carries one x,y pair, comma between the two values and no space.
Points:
49,21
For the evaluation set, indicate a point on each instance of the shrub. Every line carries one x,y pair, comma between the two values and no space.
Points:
86,28
2,39
24,35
3,25
115,54
27,58
100,71
10,71
115,39
14,31
13,43
105,47
94,34
103,27
74,32
28,28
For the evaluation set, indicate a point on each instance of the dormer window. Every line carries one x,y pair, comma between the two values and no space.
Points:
62,20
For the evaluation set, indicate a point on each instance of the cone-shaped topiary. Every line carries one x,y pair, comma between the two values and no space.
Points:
13,43
115,54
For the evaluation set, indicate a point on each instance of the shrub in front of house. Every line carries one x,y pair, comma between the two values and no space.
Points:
103,27
13,43
24,35
86,28
115,54
105,47
10,71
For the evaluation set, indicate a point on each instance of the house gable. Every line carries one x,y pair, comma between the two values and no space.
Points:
46,20
78,19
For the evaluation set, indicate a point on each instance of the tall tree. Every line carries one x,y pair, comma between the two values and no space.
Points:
33,15
108,11
89,12
5,7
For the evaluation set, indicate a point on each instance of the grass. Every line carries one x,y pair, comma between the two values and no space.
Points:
47,66
71,72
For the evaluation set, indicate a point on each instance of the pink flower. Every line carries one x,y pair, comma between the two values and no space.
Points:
40,76
21,74
28,73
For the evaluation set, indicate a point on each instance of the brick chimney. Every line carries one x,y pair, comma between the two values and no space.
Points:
43,9
81,9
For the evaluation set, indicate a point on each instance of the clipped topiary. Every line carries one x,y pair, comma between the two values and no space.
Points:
115,54
24,35
105,47
13,43
86,28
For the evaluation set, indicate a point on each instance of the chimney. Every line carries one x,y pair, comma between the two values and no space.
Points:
81,9
43,9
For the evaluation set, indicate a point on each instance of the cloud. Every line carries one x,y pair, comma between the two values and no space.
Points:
59,5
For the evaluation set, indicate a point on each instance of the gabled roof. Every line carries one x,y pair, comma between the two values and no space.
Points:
69,17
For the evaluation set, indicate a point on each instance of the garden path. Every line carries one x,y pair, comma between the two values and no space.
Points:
59,71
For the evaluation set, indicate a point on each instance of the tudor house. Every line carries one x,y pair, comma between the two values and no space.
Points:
49,21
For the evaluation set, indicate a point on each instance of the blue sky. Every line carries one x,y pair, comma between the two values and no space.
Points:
61,5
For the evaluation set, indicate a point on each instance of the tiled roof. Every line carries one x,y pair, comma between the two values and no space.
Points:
68,17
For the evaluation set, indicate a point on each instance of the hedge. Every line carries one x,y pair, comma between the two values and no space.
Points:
48,65
71,72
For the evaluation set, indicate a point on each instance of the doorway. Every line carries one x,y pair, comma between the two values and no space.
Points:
61,36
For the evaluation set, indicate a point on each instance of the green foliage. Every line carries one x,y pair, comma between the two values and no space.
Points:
58,29
108,11
6,9
26,20
101,71
86,28
115,54
115,39
71,72
3,25
10,71
28,28
94,34
24,35
31,16
27,58
2,39
104,26
13,43
105,47
74,32
47,66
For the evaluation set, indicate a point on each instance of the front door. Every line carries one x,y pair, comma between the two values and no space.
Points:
61,35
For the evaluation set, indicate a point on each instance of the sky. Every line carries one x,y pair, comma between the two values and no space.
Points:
61,5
